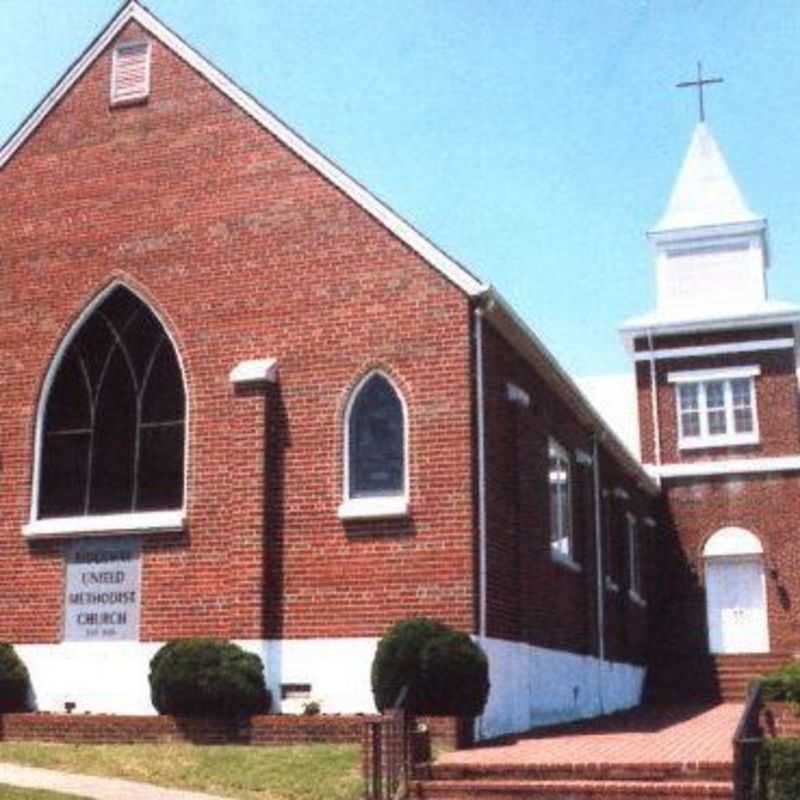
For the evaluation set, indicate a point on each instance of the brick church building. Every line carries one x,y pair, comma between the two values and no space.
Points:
243,398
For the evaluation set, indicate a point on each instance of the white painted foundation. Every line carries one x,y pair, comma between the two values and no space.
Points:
530,685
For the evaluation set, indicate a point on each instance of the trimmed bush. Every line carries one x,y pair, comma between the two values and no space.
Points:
207,677
15,683
778,770
783,684
447,674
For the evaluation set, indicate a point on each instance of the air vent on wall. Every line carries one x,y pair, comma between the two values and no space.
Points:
130,73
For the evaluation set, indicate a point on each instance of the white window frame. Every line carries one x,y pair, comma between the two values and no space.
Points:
379,506
702,378
558,526
102,524
635,591
120,100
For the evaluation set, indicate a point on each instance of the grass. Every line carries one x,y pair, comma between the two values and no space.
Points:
13,793
307,772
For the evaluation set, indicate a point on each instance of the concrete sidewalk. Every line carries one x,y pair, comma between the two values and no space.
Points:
89,786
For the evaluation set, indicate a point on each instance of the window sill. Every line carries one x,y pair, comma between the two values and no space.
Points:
706,442
105,524
637,598
374,508
565,561
611,585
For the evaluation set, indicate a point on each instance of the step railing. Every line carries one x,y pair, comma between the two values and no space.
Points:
747,744
388,753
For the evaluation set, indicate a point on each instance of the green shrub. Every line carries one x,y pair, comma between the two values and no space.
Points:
445,671
783,684
778,770
15,683
207,677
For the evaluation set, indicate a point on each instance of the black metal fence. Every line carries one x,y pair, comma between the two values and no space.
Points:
388,753
746,745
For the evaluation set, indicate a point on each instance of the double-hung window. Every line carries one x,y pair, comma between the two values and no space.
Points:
560,487
716,407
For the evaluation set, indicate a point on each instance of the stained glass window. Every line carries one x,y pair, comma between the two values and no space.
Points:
114,421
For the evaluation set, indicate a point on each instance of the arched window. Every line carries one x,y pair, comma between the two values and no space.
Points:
375,428
113,424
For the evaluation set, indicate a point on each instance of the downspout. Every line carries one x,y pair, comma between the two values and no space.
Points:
598,543
481,433
654,407
481,423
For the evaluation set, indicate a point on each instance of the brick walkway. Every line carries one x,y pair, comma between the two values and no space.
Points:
667,736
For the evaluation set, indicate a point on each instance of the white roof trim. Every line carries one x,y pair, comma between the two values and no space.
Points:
719,374
449,268
716,349
263,370
738,466
732,542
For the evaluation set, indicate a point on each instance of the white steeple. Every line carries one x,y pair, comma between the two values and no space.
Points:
711,253
705,192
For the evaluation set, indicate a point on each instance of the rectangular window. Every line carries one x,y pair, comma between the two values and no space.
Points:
610,546
130,73
560,486
716,407
634,560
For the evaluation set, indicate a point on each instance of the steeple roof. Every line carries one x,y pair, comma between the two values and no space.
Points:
705,193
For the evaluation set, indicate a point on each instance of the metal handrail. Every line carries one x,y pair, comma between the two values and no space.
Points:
746,744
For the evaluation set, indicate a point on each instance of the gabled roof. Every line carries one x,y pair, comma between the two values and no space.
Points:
518,332
705,193
134,11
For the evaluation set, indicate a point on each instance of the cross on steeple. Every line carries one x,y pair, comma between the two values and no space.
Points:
699,83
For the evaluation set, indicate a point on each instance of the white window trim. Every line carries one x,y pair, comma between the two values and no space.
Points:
145,92
565,559
64,526
105,524
722,374
705,439
376,506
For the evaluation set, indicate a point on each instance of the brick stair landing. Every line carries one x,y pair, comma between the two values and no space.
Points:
675,753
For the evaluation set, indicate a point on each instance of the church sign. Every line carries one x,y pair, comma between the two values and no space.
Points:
102,589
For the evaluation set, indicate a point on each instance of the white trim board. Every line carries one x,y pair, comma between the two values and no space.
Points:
738,466
450,269
716,349
721,374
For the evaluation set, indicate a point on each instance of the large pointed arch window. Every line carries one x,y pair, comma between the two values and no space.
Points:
376,458
112,431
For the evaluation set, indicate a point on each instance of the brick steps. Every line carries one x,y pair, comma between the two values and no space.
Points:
569,790
634,771
575,781
735,672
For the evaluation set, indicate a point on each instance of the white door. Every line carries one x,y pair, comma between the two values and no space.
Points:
737,608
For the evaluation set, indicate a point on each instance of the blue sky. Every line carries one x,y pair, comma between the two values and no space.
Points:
534,141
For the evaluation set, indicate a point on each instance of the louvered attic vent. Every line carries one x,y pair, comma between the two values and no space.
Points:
130,73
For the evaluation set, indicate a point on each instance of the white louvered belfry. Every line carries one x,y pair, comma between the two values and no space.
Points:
130,73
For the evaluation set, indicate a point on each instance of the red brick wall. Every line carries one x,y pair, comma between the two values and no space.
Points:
768,505
779,720
246,252
531,597
271,729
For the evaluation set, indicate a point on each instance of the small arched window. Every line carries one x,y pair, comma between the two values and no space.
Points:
376,458
112,431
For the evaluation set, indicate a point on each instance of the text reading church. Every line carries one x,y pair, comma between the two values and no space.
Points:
242,398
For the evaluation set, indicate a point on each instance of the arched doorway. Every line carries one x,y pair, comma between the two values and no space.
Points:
736,598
